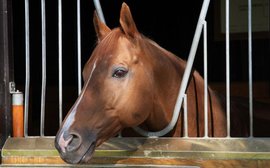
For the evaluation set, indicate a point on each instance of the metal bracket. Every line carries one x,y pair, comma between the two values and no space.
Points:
12,87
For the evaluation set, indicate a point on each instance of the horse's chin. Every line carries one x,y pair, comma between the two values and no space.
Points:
88,154
76,158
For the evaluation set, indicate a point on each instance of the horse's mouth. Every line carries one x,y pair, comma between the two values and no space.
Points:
76,158
88,154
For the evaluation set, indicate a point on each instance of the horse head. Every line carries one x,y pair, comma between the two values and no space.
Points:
118,90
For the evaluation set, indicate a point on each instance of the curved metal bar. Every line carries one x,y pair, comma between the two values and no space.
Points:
186,75
99,11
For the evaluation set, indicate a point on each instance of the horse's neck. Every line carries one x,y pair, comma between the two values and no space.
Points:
167,76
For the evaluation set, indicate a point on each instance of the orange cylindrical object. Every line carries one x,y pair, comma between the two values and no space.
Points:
17,113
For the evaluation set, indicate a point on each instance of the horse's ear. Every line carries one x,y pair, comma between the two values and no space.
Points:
101,29
126,21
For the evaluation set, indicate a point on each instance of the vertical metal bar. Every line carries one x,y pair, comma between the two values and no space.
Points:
205,80
228,66
250,66
27,67
99,11
185,117
43,86
60,71
79,45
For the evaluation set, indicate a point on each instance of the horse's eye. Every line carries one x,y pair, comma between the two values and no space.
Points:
119,73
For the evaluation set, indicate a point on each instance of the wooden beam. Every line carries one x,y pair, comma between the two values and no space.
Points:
148,151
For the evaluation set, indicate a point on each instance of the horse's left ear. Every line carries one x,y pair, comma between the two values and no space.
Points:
101,29
126,21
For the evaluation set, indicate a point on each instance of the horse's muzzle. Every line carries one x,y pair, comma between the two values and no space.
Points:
73,148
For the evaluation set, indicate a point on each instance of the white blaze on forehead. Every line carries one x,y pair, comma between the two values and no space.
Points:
71,118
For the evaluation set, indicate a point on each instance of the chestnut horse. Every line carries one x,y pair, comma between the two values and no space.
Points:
130,81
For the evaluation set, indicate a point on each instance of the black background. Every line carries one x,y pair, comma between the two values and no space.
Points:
170,23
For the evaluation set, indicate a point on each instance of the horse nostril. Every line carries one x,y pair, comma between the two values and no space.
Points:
68,142
74,143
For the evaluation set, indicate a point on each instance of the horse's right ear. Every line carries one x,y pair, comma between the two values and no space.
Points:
101,29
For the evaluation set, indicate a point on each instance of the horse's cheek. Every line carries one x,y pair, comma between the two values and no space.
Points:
130,115
137,111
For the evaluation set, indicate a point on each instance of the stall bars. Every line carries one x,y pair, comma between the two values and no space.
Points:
201,25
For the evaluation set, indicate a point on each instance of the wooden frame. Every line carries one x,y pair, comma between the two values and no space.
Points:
147,152
6,69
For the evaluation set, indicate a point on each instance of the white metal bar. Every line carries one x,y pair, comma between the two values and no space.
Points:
99,11
228,66
60,62
205,80
79,46
185,117
185,79
250,66
43,86
27,67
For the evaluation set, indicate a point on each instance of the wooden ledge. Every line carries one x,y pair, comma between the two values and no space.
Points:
212,152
